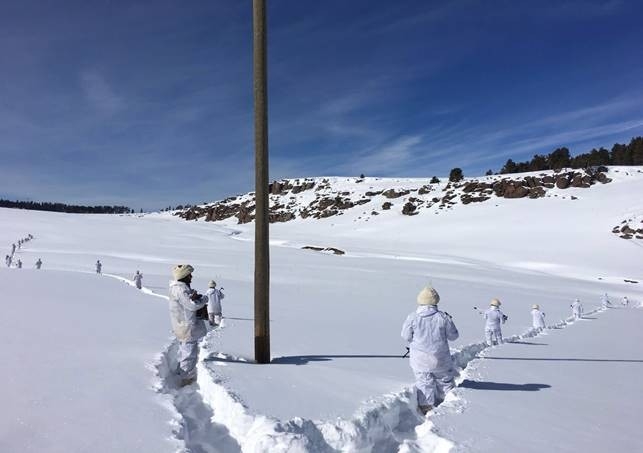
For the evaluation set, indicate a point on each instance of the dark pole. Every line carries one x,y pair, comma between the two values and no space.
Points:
262,258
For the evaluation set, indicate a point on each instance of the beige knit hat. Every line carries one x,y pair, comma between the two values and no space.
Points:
428,296
495,303
535,307
212,284
181,271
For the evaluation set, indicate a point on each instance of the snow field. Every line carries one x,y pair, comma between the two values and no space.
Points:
337,382
77,371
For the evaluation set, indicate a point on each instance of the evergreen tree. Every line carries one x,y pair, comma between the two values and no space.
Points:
636,146
559,159
538,163
455,174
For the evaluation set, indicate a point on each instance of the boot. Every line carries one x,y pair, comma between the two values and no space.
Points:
187,381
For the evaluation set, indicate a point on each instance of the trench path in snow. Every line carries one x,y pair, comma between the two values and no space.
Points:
200,433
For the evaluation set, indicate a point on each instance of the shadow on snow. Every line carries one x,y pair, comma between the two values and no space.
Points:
484,385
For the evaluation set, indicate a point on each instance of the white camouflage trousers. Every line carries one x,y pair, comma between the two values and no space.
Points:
433,386
188,353
494,336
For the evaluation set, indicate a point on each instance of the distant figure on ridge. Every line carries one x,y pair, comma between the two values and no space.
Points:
626,302
537,317
215,295
428,332
38,263
137,279
19,263
7,260
577,309
187,327
99,267
494,318
13,249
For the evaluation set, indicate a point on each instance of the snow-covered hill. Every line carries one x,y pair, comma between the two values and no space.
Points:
337,381
320,198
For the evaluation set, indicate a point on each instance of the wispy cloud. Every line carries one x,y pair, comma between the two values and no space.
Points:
100,94
385,159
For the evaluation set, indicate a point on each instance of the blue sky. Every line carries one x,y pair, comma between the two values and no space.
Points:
149,103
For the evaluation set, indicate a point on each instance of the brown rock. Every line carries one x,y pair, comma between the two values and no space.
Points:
466,199
281,216
536,192
387,205
470,187
515,191
409,209
627,230
244,215
392,193
562,182
602,178
312,247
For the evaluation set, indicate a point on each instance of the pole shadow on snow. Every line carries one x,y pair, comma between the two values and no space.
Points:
485,385
304,359
549,359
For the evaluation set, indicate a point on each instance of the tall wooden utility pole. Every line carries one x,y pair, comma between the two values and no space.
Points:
262,257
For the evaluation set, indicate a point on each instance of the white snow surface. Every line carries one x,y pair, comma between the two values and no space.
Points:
90,359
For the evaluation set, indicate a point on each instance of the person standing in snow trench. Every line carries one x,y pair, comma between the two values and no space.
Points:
537,317
428,332
577,309
138,277
187,327
493,319
215,296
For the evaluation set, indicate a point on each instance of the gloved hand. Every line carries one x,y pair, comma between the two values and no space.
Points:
211,319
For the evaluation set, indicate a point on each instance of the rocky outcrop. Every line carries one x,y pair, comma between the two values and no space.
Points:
286,202
626,231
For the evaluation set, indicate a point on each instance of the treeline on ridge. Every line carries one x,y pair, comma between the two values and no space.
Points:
62,207
631,154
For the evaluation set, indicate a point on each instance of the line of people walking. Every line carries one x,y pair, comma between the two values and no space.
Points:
427,330
12,261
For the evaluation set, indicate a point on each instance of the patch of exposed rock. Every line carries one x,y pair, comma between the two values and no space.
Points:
333,250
